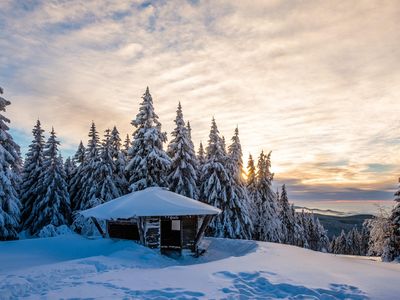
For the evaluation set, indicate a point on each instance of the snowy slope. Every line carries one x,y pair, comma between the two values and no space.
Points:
72,266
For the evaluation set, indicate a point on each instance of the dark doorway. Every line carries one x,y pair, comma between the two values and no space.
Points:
123,230
171,234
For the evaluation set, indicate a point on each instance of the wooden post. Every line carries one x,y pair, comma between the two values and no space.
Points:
140,223
200,234
96,223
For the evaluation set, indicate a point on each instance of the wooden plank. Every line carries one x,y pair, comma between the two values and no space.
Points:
207,219
96,223
140,222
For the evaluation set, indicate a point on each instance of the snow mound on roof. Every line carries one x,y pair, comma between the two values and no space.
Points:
154,201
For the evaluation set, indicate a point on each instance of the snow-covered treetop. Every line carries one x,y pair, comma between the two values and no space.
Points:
93,143
235,156
251,172
215,148
79,156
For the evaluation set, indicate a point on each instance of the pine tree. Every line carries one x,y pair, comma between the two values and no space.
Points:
268,226
340,244
287,218
391,249
127,146
105,174
87,195
201,156
120,160
237,192
10,164
30,176
323,239
74,184
214,183
69,167
53,206
364,243
353,239
182,174
149,163
251,185
300,232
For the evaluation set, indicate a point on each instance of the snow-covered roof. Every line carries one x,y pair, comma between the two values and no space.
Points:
154,201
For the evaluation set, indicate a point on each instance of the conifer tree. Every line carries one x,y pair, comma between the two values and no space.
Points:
214,183
287,218
268,226
251,184
182,174
301,232
69,168
237,192
391,249
52,206
10,164
127,146
323,239
30,176
201,156
148,163
87,195
120,160
105,174
74,184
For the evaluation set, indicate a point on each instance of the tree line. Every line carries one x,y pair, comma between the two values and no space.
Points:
42,195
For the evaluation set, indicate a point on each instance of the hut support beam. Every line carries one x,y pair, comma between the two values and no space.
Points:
96,223
207,219
140,223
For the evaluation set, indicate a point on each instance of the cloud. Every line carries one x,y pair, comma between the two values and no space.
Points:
316,82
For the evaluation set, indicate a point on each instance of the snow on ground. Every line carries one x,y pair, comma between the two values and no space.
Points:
75,267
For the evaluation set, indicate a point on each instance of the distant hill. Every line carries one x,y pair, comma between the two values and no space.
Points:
335,224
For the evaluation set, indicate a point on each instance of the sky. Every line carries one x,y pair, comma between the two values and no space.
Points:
315,82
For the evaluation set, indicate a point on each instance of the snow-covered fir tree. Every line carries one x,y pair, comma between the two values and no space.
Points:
340,246
10,165
107,181
182,173
364,238
201,155
149,163
69,168
237,192
74,184
268,225
126,147
217,189
30,176
391,250
52,206
300,230
120,160
323,239
89,186
251,185
286,215
214,182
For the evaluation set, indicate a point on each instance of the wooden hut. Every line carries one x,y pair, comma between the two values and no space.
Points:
155,217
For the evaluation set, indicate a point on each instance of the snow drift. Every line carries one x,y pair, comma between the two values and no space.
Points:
74,267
